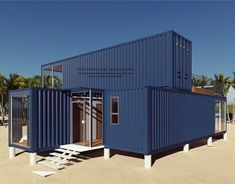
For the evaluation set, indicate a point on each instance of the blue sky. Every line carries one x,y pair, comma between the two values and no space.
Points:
35,33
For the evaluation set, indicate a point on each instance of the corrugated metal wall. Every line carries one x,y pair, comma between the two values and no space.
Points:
182,62
127,66
151,119
52,123
49,123
159,60
131,132
154,119
179,117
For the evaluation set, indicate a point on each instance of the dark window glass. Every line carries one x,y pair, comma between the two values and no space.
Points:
115,119
114,105
114,108
20,121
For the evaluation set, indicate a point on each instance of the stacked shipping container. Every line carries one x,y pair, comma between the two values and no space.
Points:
152,119
162,60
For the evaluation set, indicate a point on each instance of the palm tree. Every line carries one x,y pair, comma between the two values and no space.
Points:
221,84
48,82
201,80
15,81
33,82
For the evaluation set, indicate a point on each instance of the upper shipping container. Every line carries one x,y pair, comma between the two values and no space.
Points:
162,60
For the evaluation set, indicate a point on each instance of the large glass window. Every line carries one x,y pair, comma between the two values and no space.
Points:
20,120
114,110
52,77
220,116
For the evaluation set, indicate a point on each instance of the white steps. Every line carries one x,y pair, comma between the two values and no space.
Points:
67,151
64,156
44,173
59,158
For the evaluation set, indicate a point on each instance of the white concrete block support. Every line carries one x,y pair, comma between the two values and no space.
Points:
186,148
106,153
209,141
148,161
32,158
11,152
225,136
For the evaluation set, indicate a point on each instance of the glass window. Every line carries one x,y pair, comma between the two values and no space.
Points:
20,121
220,116
114,107
223,116
52,77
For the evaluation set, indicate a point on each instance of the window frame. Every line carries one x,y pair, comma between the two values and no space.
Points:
52,72
222,125
118,110
28,122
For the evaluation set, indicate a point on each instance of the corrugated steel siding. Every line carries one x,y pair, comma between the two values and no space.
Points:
144,62
154,119
182,62
180,117
147,61
49,124
53,118
132,132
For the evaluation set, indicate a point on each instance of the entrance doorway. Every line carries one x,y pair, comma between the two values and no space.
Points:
87,118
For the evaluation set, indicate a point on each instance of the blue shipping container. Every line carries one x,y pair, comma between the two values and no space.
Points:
162,60
48,122
156,119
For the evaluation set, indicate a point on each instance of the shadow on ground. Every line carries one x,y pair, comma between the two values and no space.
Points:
99,153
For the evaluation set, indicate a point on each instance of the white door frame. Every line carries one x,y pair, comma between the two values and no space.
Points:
90,131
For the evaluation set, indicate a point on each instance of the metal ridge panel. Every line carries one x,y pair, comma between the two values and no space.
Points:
110,47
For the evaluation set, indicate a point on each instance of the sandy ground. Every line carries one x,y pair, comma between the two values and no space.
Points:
201,165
